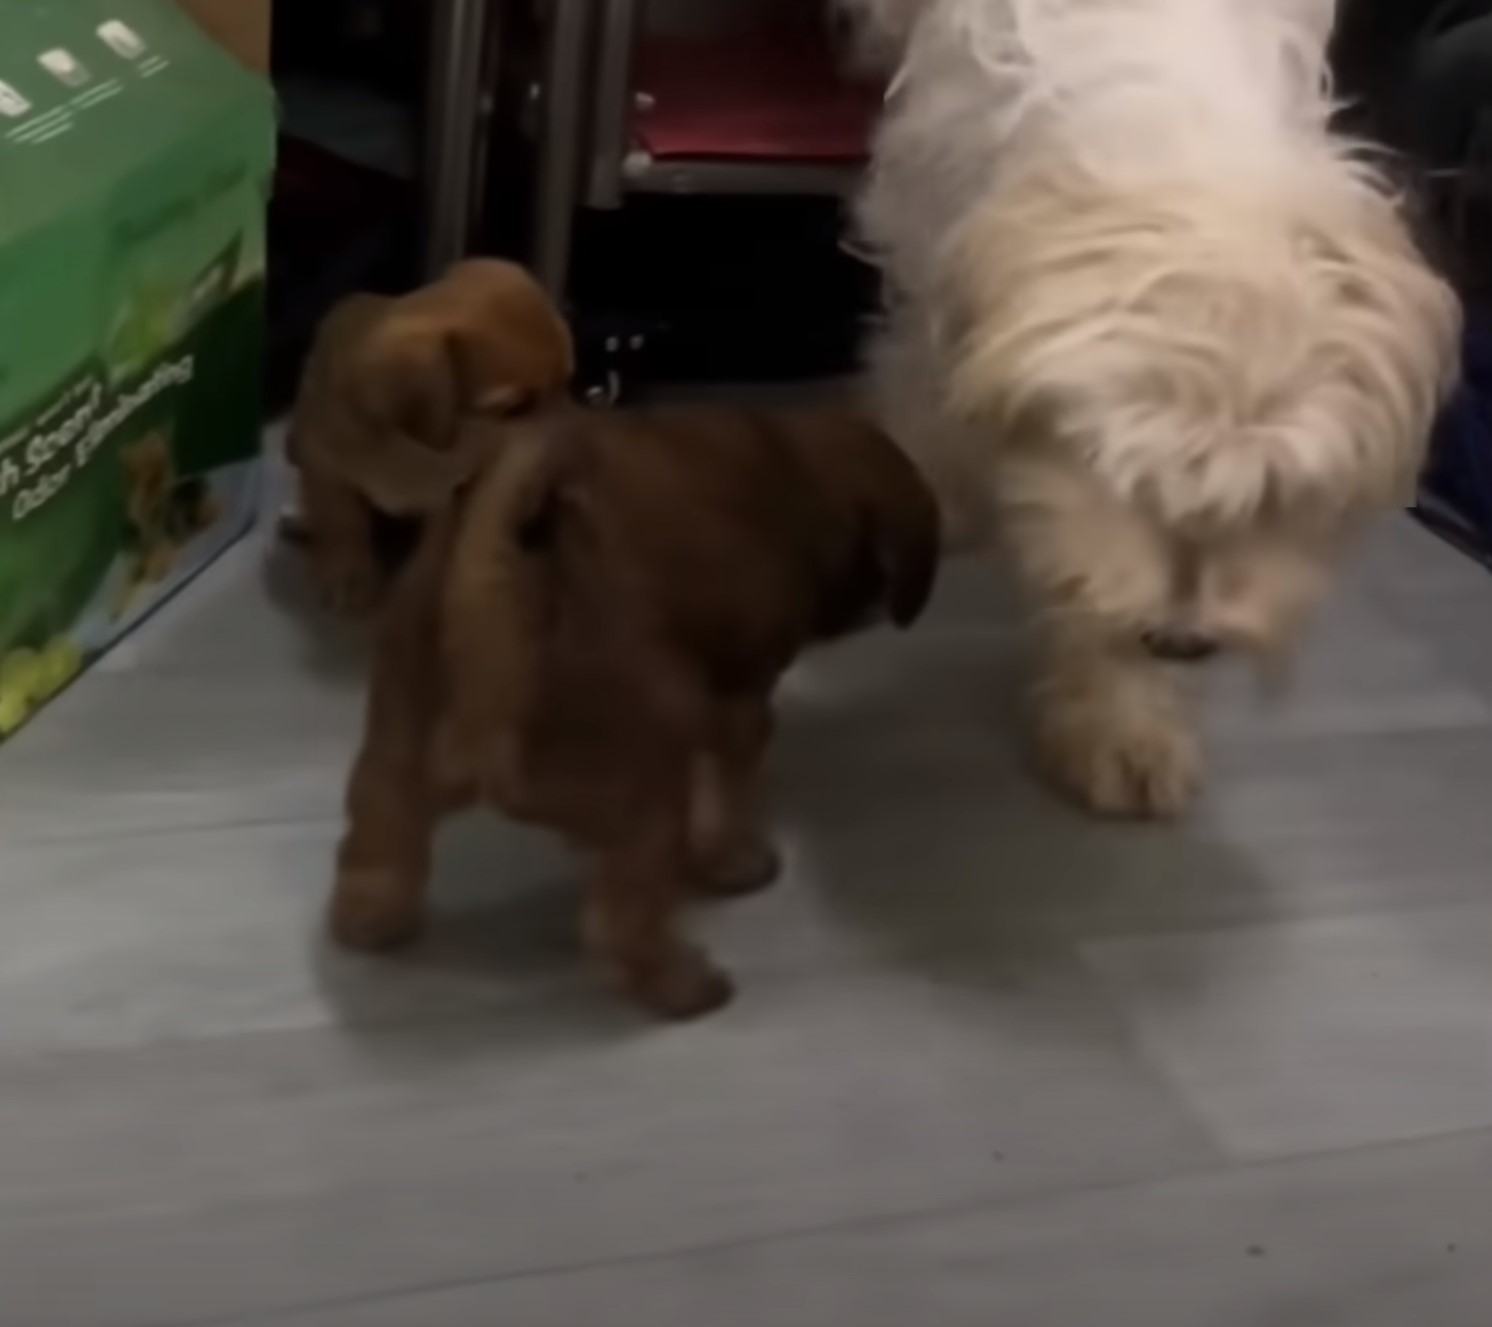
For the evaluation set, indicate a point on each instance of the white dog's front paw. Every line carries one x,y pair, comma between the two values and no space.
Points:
1131,767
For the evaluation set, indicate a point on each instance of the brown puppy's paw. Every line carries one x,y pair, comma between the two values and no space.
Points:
349,587
207,512
374,911
683,986
294,526
158,563
751,868
124,601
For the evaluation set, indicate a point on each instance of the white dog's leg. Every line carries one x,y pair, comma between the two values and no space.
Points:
1112,723
1115,726
1114,729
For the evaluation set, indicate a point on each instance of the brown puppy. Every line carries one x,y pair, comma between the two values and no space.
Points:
388,380
589,639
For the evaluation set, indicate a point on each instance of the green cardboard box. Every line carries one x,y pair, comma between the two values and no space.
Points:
135,160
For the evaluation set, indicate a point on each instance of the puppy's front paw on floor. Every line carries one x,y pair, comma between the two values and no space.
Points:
1135,770
686,985
371,912
749,869
350,588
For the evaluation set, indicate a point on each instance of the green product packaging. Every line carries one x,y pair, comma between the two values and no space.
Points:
135,160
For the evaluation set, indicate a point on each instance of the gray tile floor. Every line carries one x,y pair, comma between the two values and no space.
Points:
992,1063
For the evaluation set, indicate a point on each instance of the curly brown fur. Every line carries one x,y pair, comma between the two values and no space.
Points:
375,428
589,640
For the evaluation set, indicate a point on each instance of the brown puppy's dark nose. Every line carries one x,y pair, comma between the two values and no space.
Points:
1179,645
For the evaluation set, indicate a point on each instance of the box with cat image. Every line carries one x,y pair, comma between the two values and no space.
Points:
135,155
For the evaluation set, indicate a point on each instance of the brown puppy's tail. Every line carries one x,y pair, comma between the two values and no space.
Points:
495,606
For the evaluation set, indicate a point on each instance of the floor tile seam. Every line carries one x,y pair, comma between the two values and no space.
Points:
849,1225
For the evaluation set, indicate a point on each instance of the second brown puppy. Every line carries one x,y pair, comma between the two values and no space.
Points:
377,422
589,640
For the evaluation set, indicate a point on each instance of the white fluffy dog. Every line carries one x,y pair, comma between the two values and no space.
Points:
1154,326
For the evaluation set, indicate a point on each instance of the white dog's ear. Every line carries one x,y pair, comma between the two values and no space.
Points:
876,32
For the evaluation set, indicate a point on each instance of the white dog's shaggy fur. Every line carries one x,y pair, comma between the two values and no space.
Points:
1150,322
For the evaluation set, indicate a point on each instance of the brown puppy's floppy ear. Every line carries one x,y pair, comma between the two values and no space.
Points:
485,341
401,478
406,380
406,386
506,365
903,521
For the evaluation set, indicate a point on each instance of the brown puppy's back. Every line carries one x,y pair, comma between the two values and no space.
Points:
615,573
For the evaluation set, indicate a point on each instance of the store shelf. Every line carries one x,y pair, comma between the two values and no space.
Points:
642,173
765,112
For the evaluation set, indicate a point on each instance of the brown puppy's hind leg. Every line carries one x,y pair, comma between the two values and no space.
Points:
393,804
631,918
727,837
383,865
338,525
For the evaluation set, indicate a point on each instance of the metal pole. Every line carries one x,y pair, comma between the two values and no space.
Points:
452,131
611,129
563,124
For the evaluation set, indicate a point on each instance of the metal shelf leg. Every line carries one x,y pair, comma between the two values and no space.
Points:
453,129
557,194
